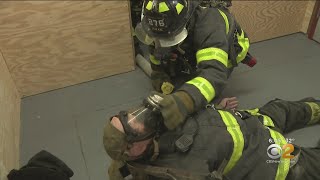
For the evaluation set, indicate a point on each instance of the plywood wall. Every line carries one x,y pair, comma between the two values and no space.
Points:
54,44
269,19
307,17
9,121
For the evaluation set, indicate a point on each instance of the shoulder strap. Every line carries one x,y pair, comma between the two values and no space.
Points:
230,31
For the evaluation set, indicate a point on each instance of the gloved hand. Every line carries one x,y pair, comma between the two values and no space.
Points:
158,78
175,108
167,88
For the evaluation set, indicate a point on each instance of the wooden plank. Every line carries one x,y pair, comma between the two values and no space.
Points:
54,44
269,19
9,121
307,16
316,35
313,20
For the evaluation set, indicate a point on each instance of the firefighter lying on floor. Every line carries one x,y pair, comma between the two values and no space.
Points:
213,143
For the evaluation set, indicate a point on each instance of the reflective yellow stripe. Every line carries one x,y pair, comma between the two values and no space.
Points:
253,111
245,44
284,165
149,5
238,141
179,8
212,54
315,112
225,20
154,60
163,7
204,86
267,121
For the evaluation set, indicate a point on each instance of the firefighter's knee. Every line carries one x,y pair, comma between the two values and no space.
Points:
315,112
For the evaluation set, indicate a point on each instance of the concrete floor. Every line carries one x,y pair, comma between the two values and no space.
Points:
69,122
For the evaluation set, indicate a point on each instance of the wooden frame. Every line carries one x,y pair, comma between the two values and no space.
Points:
314,20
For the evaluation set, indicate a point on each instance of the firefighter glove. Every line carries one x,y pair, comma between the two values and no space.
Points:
158,78
167,88
175,108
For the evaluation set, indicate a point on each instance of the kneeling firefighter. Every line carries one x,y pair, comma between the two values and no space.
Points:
194,46
213,144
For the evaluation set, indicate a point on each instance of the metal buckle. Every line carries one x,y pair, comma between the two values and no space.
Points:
238,114
211,106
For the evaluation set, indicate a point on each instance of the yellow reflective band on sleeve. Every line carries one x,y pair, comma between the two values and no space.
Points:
238,141
179,8
225,20
204,86
284,165
212,54
149,5
245,44
154,60
315,113
163,7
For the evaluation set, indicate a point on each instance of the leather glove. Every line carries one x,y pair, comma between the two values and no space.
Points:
158,78
175,108
167,88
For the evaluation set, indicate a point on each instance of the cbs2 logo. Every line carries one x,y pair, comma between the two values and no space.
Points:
157,23
275,151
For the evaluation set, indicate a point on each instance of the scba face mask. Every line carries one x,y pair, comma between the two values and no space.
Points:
139,124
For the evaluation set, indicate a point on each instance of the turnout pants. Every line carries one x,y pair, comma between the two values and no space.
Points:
289,116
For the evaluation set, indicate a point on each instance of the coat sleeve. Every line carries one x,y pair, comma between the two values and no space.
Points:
211,44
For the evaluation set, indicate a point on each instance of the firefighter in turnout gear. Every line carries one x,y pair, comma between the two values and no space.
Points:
213,144
194,47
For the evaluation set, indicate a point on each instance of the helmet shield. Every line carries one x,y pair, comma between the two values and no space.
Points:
142,35
168,42
160,42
